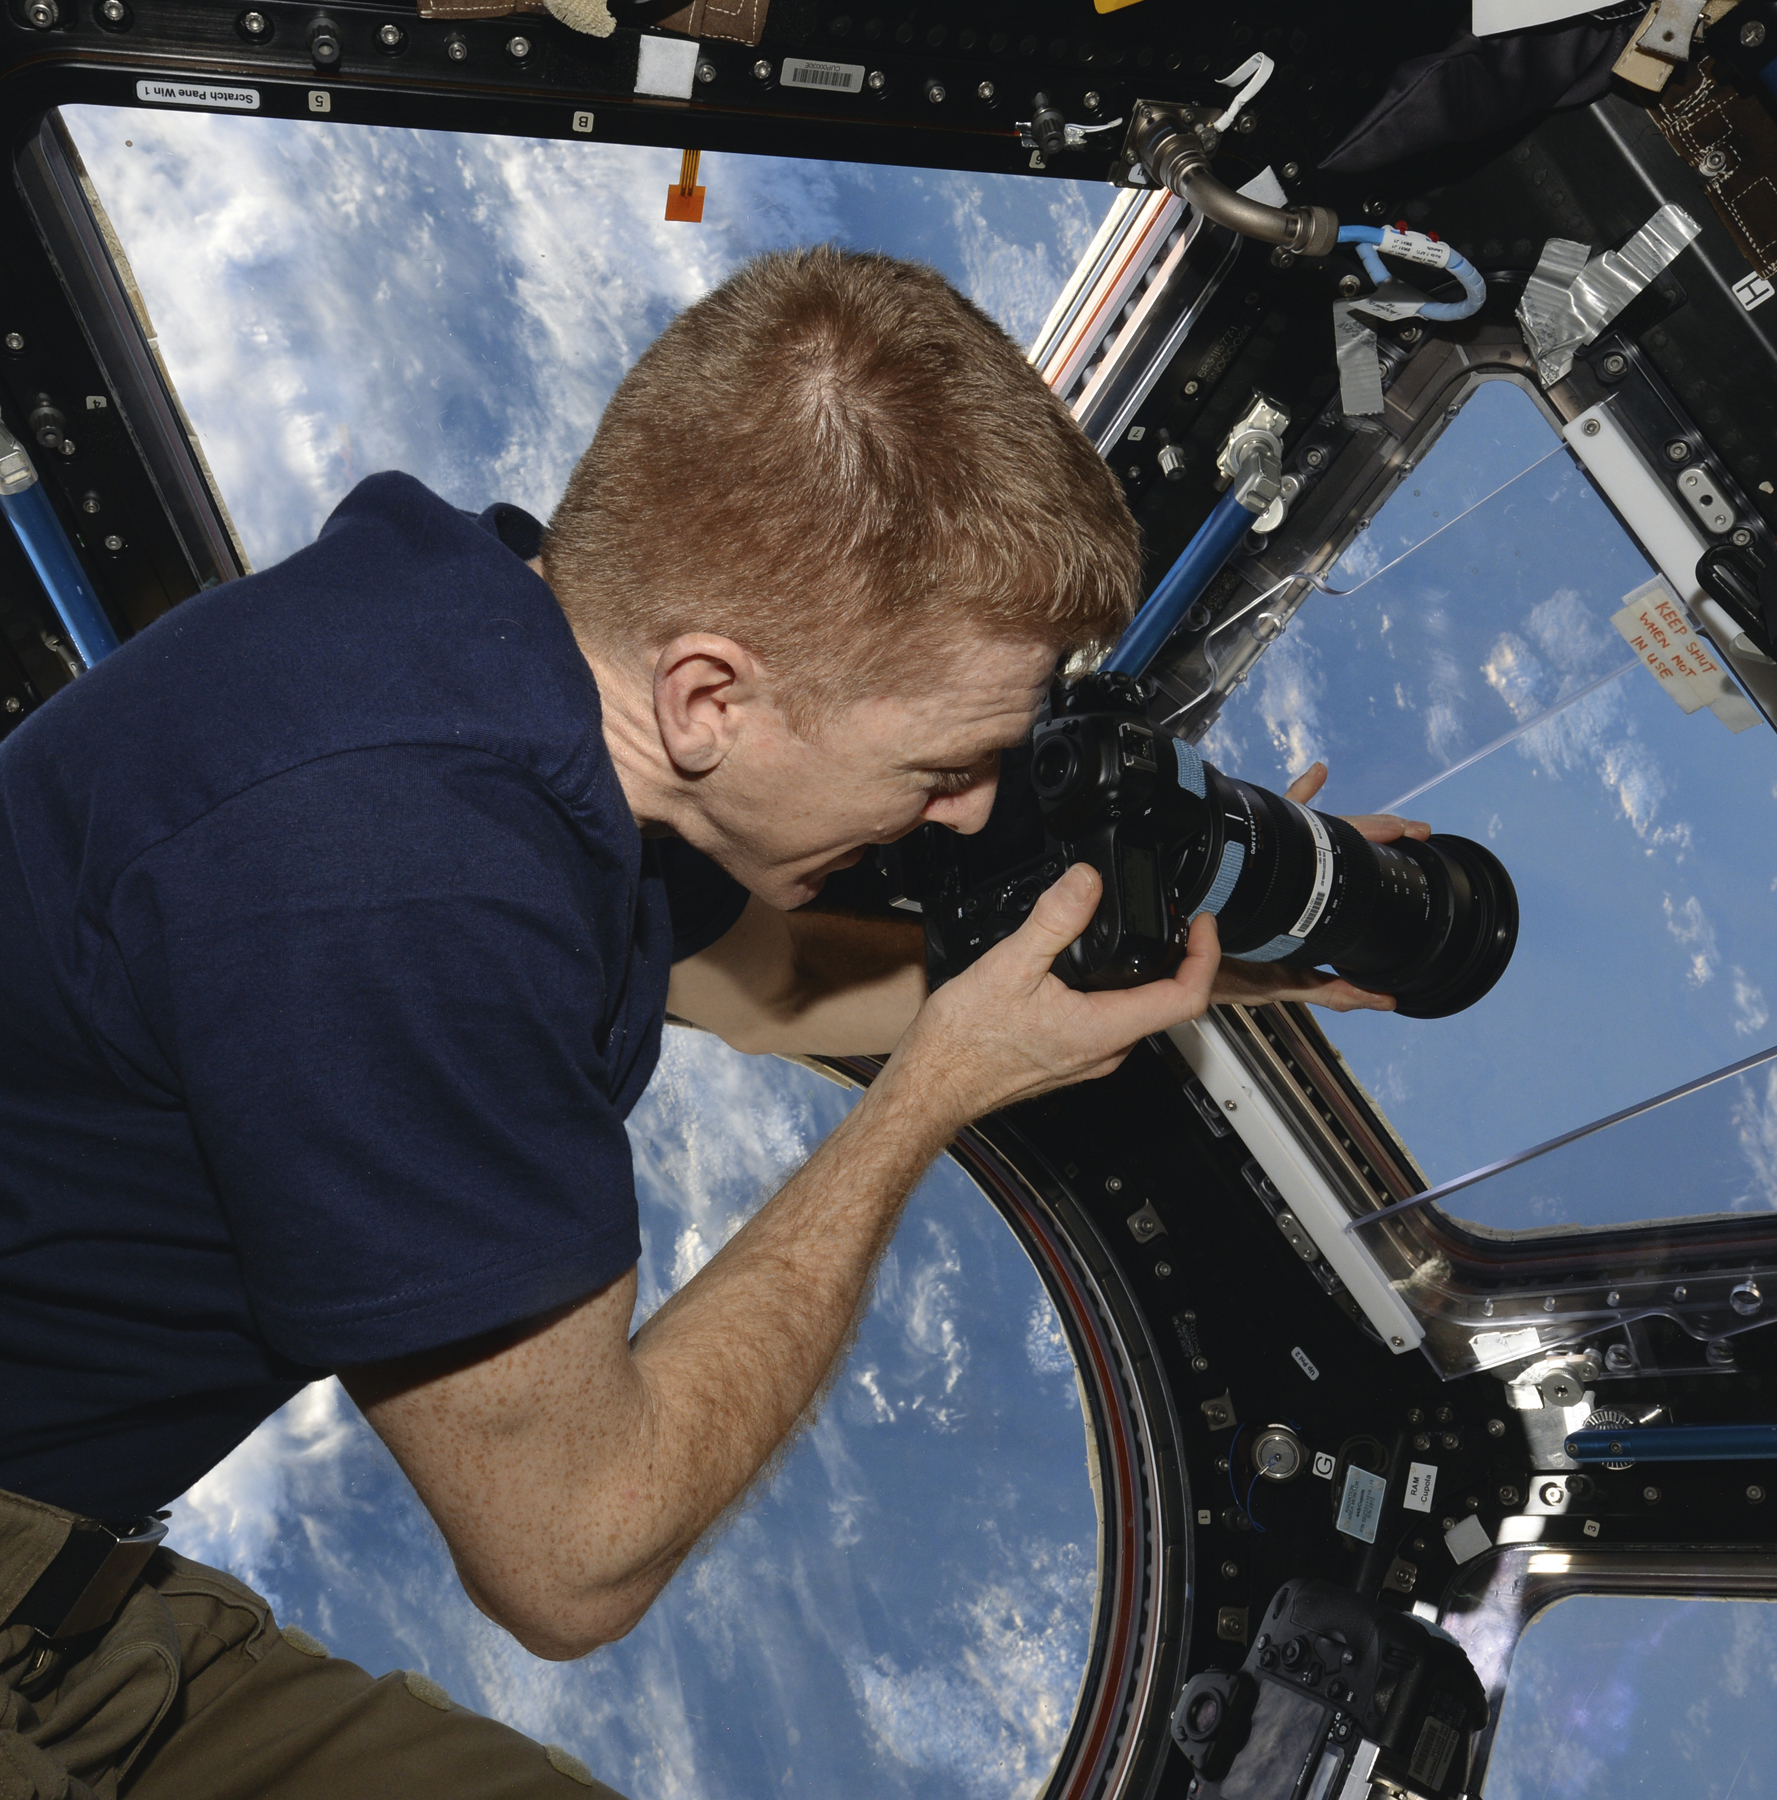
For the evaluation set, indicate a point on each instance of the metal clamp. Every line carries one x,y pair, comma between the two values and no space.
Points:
89,1578
1252,455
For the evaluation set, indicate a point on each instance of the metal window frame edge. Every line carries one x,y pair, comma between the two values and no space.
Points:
1276,1146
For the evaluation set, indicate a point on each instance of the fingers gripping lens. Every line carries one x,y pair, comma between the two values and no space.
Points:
1432,923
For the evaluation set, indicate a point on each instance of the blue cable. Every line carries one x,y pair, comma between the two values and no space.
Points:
1474,289
43,540
1200,563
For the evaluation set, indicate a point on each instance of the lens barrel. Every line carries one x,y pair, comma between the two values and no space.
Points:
1433,923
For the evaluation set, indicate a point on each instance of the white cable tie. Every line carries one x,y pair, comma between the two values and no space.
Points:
1255,72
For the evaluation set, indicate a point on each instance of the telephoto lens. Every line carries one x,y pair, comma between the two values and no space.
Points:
1433,923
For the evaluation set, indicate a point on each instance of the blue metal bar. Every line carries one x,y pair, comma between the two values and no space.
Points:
1201,562
43,540
1675,1443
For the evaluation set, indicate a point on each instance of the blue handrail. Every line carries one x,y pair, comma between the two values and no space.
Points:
1200,563
40,535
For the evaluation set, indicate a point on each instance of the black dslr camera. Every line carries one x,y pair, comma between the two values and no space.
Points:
1335,1689
1432,923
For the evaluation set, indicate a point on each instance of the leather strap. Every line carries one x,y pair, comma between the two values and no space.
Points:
736,21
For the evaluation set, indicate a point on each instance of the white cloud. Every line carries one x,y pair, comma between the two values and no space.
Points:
1755,1124
1289,690
1045,1343
1751,1015
1690,925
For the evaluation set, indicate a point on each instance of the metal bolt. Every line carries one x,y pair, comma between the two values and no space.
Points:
761,70
935,92
1592,427
1422,1440
255,25
40,14
114,12
706,70
1091,100
1612,1297
1400,1343
1448,1524
1720,1351
67,446
324,45
1752,33
1189,389
1172,461
518,48
1615,363
1553,1493
114,543
1221,1465
1678,1293
1678,451
1290,171
876,81
1549,1304
1444,1414
1232,1105
1230,1570
1189,1317
15,341
13,704
1651,1495
1745,1299
1349,287
1113,1184
1415,1415
1755,1493
1447,1440
984,90
1713,163
1315,457
391,36
89,503
456,48
1247,122
1199,1363
1508,1495
1163,1269
1496,1427
1740,536
1619,1359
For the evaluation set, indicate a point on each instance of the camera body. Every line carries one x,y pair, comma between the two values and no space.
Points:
1432,923
1335,1688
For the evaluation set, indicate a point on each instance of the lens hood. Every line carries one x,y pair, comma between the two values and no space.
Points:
1480,935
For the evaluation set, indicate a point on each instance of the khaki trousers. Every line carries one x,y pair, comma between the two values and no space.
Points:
193,1693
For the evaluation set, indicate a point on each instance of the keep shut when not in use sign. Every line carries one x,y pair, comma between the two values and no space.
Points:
1661,633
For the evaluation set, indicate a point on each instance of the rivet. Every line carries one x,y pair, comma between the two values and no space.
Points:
761,70
518,48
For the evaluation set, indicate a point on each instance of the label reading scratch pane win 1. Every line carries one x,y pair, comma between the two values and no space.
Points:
1360,1508
198,93
842,78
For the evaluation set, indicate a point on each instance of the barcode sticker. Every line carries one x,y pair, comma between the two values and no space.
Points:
1322,891
843,78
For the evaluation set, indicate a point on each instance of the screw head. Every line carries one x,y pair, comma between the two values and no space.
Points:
1230,1570
1092,100
1422,1440
113,12
1592,427
1755,1493
1740,536
1619,1359
1315,457
255,25
1713,163
40,15
935,92
1651,1495
67,446
1349,287
706,70
1290,171
518,48
391,36
89,503
114,543
15,341
1162,1269
1509,1495
13,704
1247,123
324,48
1415,1415
1678,451
1752,33
876,81
456,48
1113,1184
1199,1363
984,90
761,70
1496,1427
1720,1351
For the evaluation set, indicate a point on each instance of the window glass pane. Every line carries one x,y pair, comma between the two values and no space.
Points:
1476,681
332,300
903,1611
1611,1697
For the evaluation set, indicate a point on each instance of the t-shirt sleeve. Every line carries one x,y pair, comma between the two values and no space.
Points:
704,899
381,987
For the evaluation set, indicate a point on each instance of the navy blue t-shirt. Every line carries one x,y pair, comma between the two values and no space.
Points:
331,961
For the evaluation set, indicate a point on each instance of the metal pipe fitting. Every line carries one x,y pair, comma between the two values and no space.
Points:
1174,146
